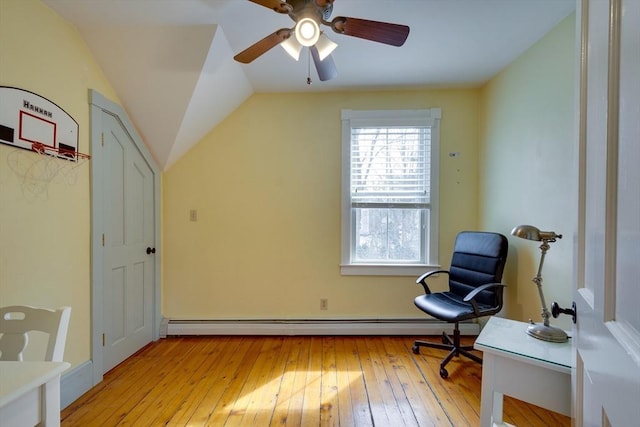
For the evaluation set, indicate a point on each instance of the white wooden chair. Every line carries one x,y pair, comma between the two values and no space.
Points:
17,321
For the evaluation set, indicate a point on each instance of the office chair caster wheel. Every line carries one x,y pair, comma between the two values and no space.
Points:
416,349
443,373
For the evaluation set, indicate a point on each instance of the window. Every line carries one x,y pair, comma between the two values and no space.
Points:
389,191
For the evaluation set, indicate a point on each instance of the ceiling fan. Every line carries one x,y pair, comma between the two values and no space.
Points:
308,15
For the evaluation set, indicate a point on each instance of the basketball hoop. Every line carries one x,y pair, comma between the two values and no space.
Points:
44,137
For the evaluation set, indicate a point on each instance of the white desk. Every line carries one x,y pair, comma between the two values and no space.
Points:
30,393
523,367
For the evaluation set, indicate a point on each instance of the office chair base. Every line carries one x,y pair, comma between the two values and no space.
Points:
454,347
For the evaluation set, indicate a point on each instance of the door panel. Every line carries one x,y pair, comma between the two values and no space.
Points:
128,282
607,334
115,296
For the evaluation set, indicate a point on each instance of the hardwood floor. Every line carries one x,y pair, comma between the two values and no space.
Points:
292,381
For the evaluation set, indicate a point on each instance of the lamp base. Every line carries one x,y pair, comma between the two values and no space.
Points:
547,333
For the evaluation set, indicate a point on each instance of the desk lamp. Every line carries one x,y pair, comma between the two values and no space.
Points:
542,331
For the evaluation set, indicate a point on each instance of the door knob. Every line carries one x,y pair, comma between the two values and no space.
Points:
556,310
151,251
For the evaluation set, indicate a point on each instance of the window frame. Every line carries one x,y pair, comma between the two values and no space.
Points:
381,118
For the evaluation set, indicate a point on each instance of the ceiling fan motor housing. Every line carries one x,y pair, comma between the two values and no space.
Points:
318,10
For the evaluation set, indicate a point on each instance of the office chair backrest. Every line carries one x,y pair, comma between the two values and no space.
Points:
478,259
16,322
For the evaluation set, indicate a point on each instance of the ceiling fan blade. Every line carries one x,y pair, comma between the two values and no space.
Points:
326,68
382,32
279,6
258,48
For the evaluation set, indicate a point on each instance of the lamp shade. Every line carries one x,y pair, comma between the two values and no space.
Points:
307,32
292,47
530,232
325,46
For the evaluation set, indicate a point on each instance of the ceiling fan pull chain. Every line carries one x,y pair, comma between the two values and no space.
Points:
309,66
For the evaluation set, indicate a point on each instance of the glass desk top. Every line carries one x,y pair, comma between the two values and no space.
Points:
510,337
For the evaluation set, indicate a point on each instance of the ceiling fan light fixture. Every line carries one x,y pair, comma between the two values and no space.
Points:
325,46
307,32
292,47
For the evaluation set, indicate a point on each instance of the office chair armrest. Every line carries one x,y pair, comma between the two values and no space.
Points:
471,295
422,280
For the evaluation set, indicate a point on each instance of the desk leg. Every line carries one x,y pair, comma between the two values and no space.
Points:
491,401
51,403
496,414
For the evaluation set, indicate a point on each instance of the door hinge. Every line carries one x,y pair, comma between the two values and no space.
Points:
102,239
103,339
102,138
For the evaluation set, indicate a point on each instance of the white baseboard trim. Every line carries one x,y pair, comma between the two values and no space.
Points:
414,327
75,383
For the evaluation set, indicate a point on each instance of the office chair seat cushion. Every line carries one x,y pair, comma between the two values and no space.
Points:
449,307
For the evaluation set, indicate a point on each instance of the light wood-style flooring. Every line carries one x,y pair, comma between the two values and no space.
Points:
292,381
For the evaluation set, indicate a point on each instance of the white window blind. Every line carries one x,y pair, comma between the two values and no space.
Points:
390,166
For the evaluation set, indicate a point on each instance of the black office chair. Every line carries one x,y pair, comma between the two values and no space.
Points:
474,289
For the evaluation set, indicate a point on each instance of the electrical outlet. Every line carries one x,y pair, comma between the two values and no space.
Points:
324,304
193,215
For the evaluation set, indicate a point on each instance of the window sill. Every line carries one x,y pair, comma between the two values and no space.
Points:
385,270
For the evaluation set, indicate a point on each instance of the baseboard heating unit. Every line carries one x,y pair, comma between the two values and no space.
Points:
417,327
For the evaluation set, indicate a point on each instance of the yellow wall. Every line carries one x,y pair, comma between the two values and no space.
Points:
45,240
527,167
266,187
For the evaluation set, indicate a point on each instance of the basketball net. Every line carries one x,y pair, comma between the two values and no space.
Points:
37,168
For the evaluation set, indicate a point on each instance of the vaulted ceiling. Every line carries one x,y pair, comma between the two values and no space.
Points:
171,61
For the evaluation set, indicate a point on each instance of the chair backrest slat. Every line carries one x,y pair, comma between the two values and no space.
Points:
17,321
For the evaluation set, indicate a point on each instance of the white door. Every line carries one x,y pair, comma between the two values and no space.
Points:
129,254
607,333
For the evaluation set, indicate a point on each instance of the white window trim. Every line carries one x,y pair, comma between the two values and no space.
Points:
429,117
